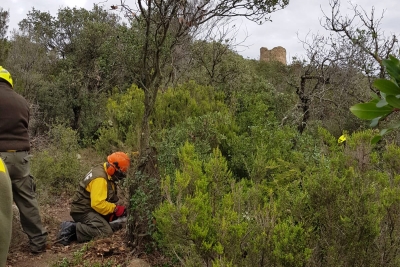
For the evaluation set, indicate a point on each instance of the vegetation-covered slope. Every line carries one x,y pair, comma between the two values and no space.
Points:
241,165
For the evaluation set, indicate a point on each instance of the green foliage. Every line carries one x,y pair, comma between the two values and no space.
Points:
4,44
177,104
204,132
265,86
28,64
198,219
239,186
369,111
69,58
290,244
379,108
253,110
124,111
342,204
57,167
108,140
274,72
322,206
215,64
260,141
257,153
145,197
4,50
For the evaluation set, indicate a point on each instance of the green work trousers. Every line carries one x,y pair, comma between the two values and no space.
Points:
90,225
24,195
5,213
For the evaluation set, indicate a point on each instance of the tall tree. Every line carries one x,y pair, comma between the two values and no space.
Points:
29,64
165,24
83,46
161,27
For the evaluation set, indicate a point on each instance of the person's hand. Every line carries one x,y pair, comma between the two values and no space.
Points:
119,211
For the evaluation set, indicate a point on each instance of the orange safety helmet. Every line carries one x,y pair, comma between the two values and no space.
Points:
118,161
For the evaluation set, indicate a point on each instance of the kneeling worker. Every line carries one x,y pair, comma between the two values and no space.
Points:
93,205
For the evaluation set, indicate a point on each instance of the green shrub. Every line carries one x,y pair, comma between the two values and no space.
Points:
189,100
204,132
108,141
207,217
125,112
57,167
290,244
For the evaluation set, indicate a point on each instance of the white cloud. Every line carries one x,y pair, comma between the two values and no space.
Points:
21,11
75,3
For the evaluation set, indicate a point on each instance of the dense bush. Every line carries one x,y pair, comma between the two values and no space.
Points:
197,221
329,207
177,104
57,167
121,128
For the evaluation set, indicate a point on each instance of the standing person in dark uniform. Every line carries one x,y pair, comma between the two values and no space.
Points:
5,212
14,150
94,203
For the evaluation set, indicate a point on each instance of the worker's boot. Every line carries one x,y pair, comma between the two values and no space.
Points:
67,233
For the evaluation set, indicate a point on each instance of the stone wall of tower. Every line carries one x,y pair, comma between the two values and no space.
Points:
275,54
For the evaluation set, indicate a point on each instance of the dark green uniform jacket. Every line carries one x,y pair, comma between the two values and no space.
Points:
13,132
81,202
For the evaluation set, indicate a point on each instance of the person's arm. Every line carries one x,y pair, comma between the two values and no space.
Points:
98,196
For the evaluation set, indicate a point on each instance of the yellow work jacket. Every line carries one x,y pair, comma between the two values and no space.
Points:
97,191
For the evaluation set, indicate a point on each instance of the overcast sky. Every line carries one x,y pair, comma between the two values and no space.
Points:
296,21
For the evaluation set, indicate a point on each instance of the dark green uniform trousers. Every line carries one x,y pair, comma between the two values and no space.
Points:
5,213
90,225
24,195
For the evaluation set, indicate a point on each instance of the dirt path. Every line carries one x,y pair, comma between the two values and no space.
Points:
19,254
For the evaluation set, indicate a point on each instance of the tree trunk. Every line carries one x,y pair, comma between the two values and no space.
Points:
77,116
146,180
305,104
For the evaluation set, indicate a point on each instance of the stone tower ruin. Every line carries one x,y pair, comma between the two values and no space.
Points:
275,54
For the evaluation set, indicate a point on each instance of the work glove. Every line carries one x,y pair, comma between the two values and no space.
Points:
119,211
